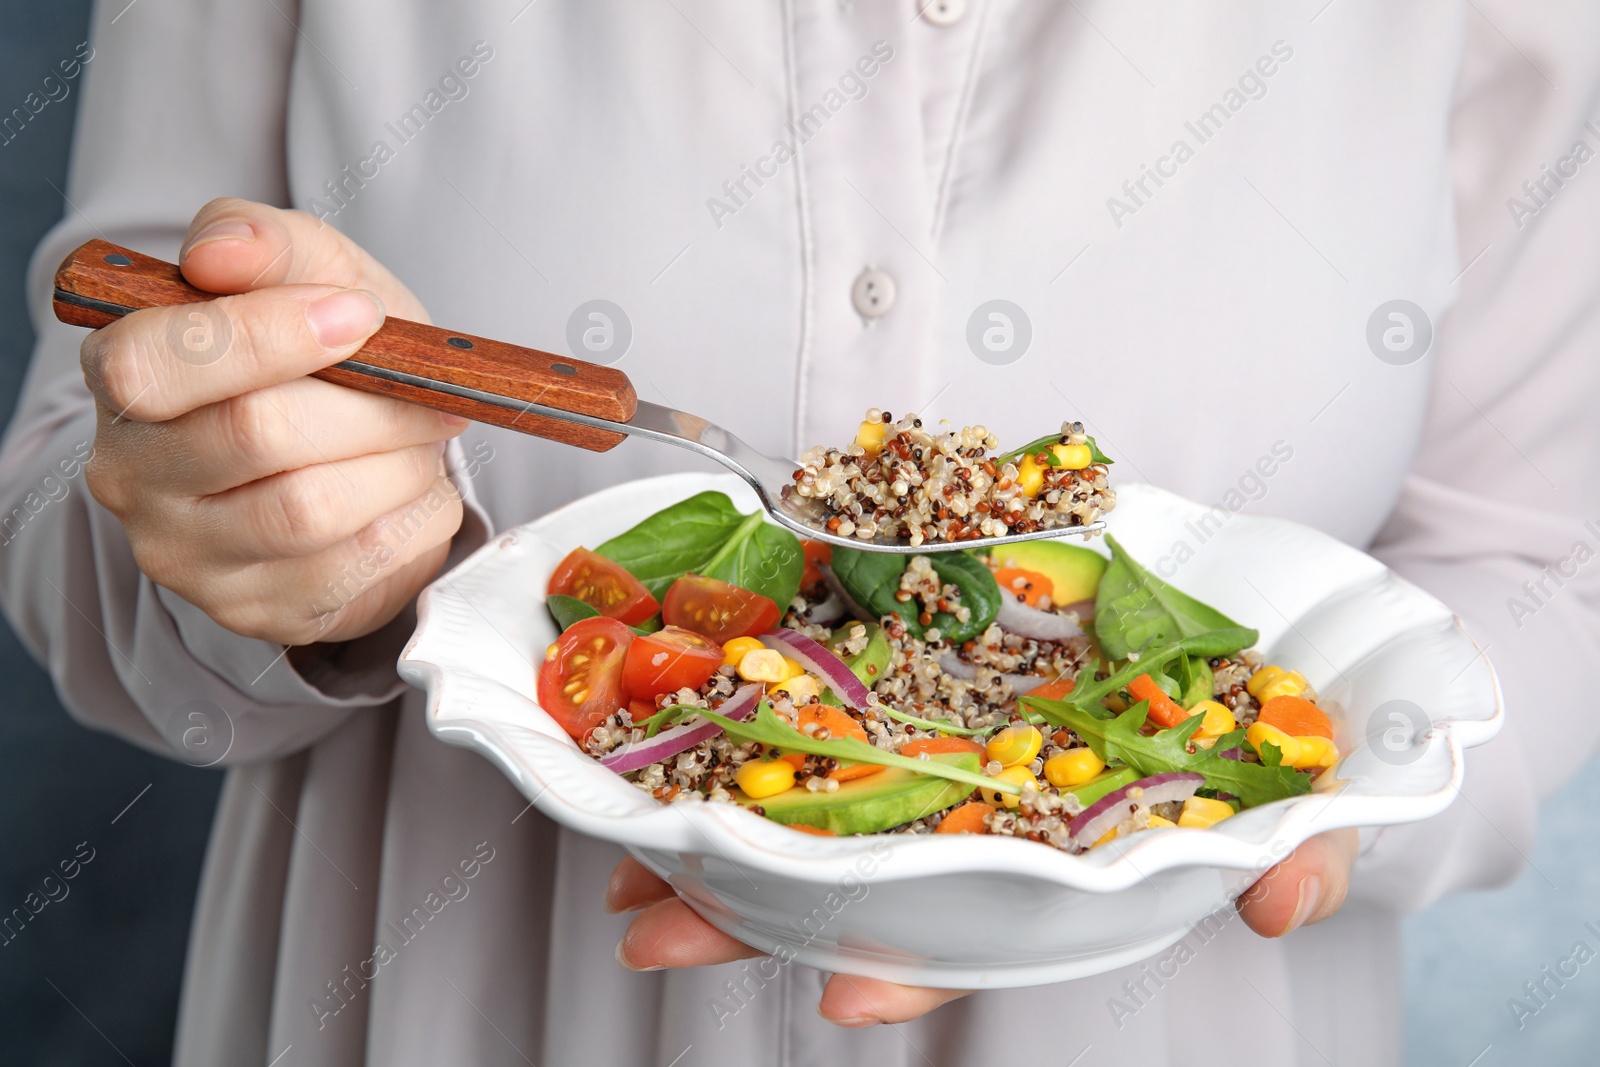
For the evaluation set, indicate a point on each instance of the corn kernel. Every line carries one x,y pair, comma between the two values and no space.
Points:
1016,775
1218,719
1261,734
1317,752
1073,457
1109,835
734,650
1015,745
764,777
1073,767
791,669
802,689
763,665
1030,477
1273,681
1157,822
871,434
1201,812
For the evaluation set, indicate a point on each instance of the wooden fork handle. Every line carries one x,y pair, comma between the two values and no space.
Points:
100,282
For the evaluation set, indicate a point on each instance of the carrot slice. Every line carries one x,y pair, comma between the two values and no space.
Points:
817,830
967,819
1052,690
1297,717
1026,586
839,723
1164,711
935,746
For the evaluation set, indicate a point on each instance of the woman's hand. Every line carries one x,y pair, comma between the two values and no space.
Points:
1306,888
285,507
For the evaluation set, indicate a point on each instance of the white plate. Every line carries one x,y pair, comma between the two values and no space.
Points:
1374,646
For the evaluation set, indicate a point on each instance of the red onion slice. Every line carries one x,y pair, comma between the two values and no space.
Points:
817,660
668,743
957,667
1017,618
1107,812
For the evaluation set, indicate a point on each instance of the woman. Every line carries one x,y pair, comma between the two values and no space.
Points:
796,210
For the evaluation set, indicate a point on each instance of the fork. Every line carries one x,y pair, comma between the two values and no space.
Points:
590,406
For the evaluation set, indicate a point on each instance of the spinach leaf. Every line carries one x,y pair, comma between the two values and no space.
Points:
1167,750
873,578
707,535
1135,609
567,610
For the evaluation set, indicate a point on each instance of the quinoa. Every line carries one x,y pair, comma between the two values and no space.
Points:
924,487
920,680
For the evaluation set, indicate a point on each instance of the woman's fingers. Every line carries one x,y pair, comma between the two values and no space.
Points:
235,246
669,934
286,427
1306,888
302,512
159,363
632,887
849,1000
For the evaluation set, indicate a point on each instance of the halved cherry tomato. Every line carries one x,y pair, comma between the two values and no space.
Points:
935,746
640,709
817,553
717,610
668,660
580,680
605,586
1026,586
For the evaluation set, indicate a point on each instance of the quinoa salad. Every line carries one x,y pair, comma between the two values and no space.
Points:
899,480
1040,689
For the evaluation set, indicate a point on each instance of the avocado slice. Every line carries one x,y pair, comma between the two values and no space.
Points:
876,802
1106,783
1074,572
868,664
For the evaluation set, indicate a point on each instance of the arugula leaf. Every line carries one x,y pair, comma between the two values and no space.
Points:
707,535
1043,444
873,578
766,728
1087,692
1119,739
1193,677
944,726
1135,609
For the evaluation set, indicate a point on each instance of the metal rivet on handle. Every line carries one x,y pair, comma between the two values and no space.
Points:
458,342
117,259
564,368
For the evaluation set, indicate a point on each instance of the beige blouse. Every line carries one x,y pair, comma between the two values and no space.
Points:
801,208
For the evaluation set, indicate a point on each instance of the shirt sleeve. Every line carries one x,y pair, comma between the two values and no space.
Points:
181,102
1500,516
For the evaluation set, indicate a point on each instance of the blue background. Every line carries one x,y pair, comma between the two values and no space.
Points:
94,978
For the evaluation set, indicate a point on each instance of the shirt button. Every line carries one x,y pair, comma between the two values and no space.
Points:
944,12
873,293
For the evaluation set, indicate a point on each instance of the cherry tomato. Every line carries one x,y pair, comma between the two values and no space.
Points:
818,553
603,585
717,610
1026,586
668,660
580,680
